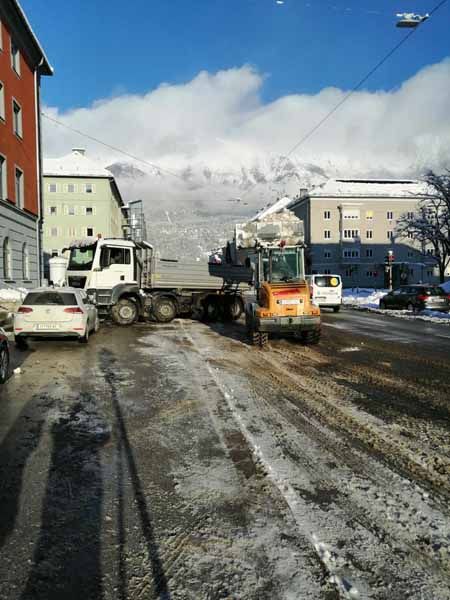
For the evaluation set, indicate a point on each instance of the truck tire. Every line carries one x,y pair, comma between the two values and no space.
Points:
211,309
336,308
125,312
234,307
164,310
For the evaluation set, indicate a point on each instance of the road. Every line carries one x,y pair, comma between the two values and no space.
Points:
177,462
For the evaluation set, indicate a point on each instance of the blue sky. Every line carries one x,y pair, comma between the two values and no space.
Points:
103,48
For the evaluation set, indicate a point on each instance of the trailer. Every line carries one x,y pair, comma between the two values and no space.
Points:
128,281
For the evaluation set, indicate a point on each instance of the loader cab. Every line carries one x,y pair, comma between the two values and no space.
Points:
281,265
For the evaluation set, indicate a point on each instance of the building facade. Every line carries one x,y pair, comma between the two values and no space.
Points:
350,225
22,63
81,199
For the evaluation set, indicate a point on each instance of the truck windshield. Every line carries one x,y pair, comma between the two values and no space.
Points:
81,258
283,265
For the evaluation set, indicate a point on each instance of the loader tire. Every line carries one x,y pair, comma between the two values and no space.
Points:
310,338
164,310
125,312
255,338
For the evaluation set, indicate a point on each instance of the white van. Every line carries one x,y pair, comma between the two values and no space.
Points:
326,290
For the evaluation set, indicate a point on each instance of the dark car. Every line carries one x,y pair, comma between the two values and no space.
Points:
4,356
417,297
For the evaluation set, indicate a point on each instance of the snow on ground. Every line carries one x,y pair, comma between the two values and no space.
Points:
369,299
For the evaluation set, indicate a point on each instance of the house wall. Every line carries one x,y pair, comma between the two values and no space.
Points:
366,266
19,152
106,219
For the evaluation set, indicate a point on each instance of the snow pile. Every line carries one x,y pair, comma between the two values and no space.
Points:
363,297
12,294
273,208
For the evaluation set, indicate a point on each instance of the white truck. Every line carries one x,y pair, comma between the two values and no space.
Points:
128,281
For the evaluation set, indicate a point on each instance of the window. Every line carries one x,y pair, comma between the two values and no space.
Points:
369,234
411,272
326,254
89,188
371,274
369,253
430,252
327,271
389,215
2,101
350,254
19,188
71,210
429,273
410,254
350,213
7,259
71,232
52,210
89,210
89,231
25,262
410,215
17,119
115,256
327,234
327,215
348,272
15,58
410,235
390,234
71,188
53,231
52,188
55,253
369,215
3,188
350,234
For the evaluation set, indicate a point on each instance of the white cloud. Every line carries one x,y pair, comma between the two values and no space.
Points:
219,120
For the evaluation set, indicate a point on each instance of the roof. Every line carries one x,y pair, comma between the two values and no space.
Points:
45,66
75,164
369,188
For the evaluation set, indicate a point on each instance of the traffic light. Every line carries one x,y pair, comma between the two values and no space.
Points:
389,258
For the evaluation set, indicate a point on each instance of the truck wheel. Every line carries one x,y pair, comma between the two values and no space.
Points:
336,309
125,312
164,310
211,309
234,307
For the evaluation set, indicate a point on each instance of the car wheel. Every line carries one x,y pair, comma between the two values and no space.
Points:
4,363
85,338
382,305
21,343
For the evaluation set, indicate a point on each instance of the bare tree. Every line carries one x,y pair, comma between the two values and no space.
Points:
430,223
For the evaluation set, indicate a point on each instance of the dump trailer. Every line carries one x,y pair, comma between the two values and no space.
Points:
269,254
128,280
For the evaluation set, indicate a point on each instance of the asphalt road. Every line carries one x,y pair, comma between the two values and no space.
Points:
391,329
178,462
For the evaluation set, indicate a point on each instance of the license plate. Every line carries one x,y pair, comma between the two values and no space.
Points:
46,326
296,301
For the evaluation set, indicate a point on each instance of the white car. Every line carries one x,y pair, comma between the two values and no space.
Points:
55,312
326,290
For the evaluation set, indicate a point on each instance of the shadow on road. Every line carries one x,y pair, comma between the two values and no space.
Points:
126,460
67,559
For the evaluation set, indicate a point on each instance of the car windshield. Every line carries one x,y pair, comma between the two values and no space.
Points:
327,281
81,258
285,266
50,299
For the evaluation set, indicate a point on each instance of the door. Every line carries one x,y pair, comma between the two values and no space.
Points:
115,267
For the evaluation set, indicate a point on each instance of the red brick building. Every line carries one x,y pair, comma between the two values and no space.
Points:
22,63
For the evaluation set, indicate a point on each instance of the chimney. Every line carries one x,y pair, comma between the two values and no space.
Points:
303,192
81,151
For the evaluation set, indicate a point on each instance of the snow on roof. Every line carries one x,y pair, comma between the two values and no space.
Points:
273,208
75,164
397,188
47,68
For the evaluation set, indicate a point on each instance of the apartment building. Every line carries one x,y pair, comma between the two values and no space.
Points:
22,63
350,226
81,199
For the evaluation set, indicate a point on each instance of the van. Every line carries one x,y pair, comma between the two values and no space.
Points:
326,290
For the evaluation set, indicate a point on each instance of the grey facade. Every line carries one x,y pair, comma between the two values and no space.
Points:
350,225
18,248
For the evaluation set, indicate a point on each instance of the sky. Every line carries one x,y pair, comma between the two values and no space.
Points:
104,48
199,85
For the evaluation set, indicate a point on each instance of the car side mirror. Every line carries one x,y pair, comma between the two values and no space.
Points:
92,299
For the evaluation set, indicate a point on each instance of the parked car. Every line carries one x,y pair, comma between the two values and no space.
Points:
416,298
326,290
4,356
55,312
